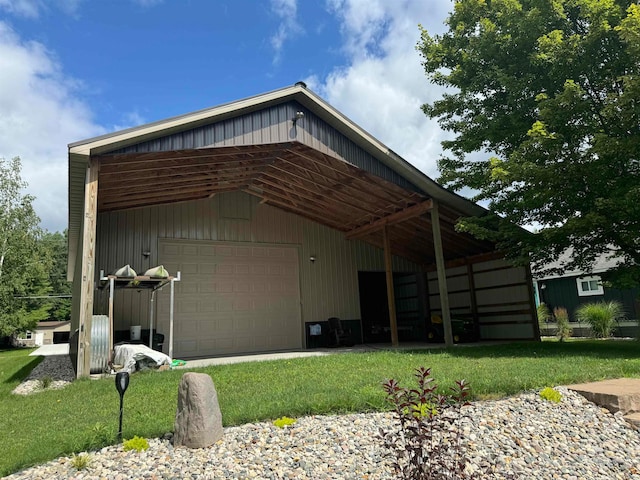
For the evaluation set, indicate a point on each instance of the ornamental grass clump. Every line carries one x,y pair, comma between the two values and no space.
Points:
428,444
46,382
543,313
563,330
601,317
81,462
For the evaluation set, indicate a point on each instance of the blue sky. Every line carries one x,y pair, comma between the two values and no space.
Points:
73,69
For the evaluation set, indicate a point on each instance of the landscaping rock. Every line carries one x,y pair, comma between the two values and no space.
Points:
198,418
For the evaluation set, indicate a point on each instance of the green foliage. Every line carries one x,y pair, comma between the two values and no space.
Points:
56,245
428,444
284,422
101,435
601,317
544,315
551,395
81,462
45,382
87,410
564,330
542,101
24,262
139,444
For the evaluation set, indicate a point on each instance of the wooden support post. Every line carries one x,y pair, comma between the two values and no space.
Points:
442,275
391,299
474,301
88,267
532,303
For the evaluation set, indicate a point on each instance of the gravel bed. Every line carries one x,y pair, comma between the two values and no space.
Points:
57,368
523,437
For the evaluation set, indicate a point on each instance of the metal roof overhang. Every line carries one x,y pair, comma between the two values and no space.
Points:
293,177
452,206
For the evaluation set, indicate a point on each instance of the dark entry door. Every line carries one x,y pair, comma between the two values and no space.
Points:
374,307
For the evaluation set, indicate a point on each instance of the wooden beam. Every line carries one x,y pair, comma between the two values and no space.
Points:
474,301
391,299
532,303
460,262
88,267
442,276
406,214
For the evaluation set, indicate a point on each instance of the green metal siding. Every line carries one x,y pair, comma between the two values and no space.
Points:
563,292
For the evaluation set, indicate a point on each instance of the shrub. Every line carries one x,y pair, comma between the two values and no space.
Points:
601,317
81,462
551,395
45,382
284,422
136,443
564,330
429,444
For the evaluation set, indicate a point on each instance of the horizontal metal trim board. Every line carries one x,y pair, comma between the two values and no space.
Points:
506,304
452,292
505,267
506,322
506,285
456,275
509,339
504,313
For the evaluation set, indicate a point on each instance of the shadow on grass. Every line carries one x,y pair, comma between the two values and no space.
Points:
613,349
24,372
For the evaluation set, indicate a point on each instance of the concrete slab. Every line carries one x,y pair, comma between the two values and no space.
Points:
205,362
617,395
260,357
49,350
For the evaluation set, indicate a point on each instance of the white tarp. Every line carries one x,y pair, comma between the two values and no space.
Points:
138,357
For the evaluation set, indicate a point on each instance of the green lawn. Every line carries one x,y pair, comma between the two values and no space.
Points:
84,415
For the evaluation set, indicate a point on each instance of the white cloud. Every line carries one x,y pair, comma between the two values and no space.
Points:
33,8
148,3
40,114
287,11
22,8
383,85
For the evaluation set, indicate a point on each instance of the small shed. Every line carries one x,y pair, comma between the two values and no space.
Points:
279,212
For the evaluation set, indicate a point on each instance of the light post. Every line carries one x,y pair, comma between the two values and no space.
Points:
122,382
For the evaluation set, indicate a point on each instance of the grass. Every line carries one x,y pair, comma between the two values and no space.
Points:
84,415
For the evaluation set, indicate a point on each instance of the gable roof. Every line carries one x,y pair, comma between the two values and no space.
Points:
80,152
603,263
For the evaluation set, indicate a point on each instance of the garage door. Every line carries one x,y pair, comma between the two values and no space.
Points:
233,298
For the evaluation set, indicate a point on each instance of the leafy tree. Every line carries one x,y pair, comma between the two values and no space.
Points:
56,244
547,95
24,263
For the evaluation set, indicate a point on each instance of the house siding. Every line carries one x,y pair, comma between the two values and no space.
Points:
329,286
499,293
563,292
274,125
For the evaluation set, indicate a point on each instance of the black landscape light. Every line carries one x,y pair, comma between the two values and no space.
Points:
122,382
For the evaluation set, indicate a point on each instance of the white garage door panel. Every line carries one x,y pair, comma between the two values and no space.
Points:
232,298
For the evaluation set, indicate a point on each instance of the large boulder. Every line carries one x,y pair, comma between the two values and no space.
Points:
198,419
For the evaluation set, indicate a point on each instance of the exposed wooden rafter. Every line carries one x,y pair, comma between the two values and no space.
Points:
290,176
402,215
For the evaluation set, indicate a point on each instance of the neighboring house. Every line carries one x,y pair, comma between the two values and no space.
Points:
279,212
54,332
573,288
46,333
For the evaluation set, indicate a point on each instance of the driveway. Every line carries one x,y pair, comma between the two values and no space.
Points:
49,350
